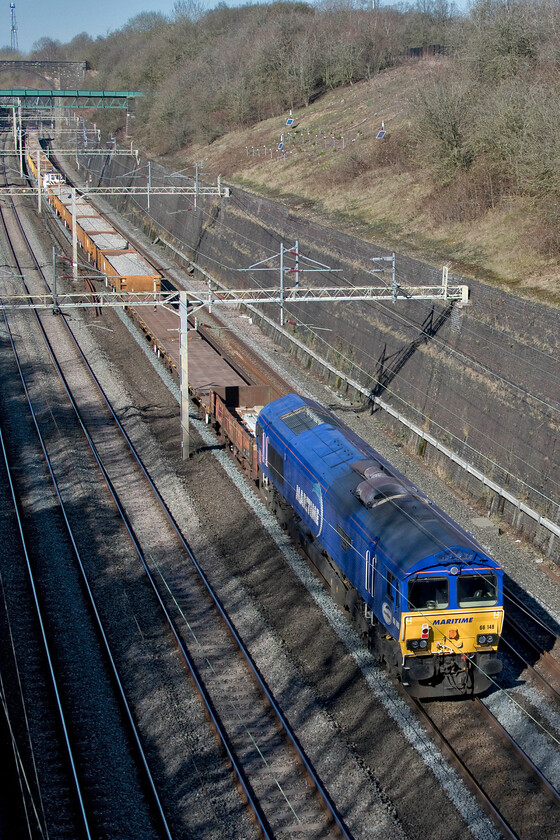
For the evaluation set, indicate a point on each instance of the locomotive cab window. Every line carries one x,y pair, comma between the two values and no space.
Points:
389,590
477,590
275,463
428,593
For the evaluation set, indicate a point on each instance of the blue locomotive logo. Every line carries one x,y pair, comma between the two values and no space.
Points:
313,510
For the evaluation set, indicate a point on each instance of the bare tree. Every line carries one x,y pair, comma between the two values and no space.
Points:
191,10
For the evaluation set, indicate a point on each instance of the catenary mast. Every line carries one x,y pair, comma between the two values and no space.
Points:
14,38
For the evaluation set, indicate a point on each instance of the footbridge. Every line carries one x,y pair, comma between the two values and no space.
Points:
28,99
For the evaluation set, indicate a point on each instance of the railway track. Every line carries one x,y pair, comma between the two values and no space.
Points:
515,794
534,642
88,789
70,678
286,796
78,660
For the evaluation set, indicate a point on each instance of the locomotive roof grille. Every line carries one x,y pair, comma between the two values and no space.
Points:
305,418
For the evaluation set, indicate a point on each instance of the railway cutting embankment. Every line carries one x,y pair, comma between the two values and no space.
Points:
482,378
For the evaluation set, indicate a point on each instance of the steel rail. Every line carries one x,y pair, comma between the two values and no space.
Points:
548,662
478,792
477,789
93,605
323,793
24,779
204,694
537,677
38,610
186,655
59,704
49,657
523,608
546,786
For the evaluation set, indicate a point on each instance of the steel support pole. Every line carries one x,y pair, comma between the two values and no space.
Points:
445,281
14,126
281,284
20,140
38,181
56,308
74,237
184,375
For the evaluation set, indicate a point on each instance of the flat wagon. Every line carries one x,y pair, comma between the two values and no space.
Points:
125,269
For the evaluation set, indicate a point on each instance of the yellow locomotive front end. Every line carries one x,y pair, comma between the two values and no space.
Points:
449,641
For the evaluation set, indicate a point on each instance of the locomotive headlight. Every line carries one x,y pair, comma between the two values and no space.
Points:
417,644
486,639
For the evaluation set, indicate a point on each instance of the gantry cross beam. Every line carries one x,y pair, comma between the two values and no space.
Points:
189,303
73,300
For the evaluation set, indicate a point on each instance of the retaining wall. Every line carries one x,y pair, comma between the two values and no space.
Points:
482,378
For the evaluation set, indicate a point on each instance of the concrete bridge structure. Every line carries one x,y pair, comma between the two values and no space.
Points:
55,74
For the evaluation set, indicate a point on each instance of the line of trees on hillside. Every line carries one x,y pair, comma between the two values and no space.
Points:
213,71
487,127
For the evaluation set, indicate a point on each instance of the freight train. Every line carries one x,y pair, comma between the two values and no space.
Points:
422,591
124,268
419,588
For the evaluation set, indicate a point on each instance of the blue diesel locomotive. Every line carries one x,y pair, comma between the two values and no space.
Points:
420,588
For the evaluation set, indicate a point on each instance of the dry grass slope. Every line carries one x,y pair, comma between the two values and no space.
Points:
336,170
